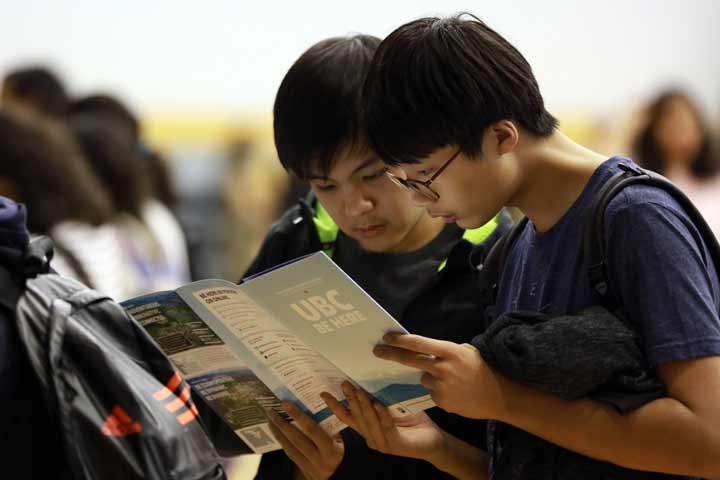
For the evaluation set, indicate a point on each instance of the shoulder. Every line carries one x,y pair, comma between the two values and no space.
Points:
292,235
651,214
294,226
641,197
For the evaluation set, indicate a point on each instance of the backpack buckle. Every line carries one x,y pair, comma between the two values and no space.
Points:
631,169
37,258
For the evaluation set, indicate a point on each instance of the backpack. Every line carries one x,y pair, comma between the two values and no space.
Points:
594,238
123,410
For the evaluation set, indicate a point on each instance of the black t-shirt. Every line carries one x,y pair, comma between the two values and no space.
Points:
394,279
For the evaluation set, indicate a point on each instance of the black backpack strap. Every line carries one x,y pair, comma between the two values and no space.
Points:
39,254
594,241
494,263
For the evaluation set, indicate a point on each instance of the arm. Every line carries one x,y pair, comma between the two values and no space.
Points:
316,453
414,436
677,434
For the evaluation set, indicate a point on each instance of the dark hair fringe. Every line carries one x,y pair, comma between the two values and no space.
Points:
317,114
443,81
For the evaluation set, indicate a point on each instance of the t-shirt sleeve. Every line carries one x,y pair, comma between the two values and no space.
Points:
663,274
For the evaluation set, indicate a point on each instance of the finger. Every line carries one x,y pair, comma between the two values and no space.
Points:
290,449
387,422
339,410
317,435
406,357
356,410
292,434
420,344
372,421
429,382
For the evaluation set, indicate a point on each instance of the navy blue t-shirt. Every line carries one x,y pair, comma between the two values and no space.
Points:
657,264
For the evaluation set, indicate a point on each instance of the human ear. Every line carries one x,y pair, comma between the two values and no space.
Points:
506,136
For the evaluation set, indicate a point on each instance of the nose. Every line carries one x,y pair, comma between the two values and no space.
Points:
358,203
398,172
419,199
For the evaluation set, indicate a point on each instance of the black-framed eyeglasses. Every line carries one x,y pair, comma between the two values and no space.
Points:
420,186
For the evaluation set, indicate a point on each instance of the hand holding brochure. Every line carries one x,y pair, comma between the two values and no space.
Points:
288,334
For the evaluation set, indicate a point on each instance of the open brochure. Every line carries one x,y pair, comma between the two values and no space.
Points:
286,334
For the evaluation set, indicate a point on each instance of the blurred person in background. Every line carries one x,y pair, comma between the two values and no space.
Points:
150,177
113,156
675,141
35,88
405,259
43,168
155,164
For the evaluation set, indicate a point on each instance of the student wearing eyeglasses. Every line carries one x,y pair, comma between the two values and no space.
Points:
455,111
421,269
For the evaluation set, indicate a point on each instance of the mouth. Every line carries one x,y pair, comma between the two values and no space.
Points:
370,231
446,217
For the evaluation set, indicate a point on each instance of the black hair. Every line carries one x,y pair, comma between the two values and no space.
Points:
317,113
648,151
443,81
110,106
115,159
114,111
49,173
39,88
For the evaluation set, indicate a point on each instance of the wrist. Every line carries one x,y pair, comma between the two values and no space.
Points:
441,455
507,396
459,459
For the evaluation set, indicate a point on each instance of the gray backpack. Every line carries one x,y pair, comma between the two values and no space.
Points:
123,410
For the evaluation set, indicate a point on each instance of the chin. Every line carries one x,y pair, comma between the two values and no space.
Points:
469,223
375,246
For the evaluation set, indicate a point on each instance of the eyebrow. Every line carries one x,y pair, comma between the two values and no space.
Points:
371,160
366,163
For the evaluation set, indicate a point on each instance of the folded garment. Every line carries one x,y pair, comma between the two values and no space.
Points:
592,354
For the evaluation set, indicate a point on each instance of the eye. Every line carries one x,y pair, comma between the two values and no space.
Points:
375,176
328,187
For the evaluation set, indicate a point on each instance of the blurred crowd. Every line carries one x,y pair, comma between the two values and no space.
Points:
110,201
89,182
127,219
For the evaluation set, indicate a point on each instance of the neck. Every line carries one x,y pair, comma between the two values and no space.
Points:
555,171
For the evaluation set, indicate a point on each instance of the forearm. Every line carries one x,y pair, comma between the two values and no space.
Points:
461,460
664,435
